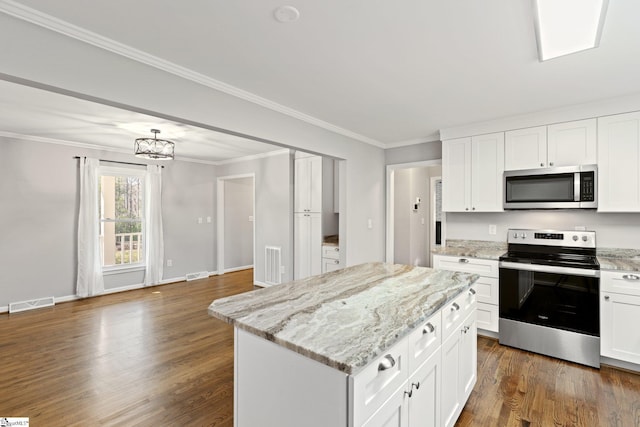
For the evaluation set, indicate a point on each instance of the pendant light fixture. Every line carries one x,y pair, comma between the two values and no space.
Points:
154,148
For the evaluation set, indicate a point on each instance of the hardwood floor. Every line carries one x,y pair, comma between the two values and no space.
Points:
153,357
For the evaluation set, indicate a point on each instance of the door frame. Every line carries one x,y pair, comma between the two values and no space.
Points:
391,169
220,218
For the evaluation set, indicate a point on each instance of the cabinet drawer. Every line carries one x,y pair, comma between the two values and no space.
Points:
483,267
424,341
622,282
487,290
454,313
372,386
487,317
332,252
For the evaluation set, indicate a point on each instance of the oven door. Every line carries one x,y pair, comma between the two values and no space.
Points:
556,297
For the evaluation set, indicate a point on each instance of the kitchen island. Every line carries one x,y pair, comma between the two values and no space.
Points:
346,348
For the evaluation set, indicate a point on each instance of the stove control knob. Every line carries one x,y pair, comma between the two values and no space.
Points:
585,238
575,238
515,235
524,235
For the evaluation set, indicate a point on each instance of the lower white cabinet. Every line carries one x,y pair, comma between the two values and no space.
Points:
330,258
487,286
307,245
620,315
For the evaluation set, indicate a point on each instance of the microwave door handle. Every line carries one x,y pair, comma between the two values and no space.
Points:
576,187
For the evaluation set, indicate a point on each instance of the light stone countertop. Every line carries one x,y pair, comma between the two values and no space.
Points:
346,318
473,248
619,259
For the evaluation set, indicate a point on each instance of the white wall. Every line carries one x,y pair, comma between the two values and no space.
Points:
238,223
273,208
39,212
47,58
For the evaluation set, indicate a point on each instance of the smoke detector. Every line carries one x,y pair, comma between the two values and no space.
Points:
286,14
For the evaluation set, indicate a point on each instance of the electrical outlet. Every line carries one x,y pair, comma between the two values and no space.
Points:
209,220
199,220
169,263
492,229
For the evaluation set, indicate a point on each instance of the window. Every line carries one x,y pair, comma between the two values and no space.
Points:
121,217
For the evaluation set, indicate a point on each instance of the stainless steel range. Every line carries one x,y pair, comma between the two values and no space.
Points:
549,294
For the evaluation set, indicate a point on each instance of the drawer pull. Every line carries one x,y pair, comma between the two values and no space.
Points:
631,277
429,328
417,386
336,262
387,363
455,307
606,297
409,393
472,291
463,260
337,249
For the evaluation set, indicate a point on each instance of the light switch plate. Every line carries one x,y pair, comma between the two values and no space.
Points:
492,229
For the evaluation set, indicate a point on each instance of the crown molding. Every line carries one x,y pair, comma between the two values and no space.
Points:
49,22
433,137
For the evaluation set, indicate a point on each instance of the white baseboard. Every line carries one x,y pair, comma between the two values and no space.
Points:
261,284
619,364
244,267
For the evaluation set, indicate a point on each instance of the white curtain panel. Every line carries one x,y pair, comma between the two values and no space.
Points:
154,242
90,281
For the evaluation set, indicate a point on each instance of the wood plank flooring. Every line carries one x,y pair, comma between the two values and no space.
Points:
153,357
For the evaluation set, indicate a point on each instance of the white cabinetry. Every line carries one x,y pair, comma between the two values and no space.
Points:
308,244
308,184
487,286
620,315
619,163
472,173
562,144
330,258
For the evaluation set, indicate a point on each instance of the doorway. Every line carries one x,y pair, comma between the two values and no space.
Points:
235,225
413,220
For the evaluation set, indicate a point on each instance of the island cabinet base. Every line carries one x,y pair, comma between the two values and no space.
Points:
423,380
277,387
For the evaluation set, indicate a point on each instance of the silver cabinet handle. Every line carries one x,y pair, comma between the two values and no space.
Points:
473,208
416,385
455,307
551,164
429,328
336,262
463,260
409,393
631,277
387,363
337,249
541,164
472,291
606,297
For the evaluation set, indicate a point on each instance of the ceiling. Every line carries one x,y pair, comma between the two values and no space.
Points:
50,117
390,73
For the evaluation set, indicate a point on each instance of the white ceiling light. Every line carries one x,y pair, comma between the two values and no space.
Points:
567,26
286,14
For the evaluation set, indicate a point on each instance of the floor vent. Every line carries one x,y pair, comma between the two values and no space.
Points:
198,275
273,265
16,307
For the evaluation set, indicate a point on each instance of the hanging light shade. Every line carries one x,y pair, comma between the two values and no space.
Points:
154,148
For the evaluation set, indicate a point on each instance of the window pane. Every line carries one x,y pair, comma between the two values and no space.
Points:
122,197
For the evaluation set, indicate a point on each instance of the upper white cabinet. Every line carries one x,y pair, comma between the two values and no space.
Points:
562,144
619,163
308,184
472,173
525,148
572,143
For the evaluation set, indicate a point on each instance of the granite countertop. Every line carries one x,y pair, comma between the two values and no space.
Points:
473,249
330,241
619,259
346,318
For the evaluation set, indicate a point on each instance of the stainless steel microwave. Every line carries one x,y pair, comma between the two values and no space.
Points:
552,188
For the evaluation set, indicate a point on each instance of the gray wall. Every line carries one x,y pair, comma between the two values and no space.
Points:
619,230
413,153
273,208
39,211
238,226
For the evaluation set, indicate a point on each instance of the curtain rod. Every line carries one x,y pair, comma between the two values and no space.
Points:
122,163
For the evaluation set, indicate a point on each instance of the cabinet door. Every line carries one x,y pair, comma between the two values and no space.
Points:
487,167
525,148
619,332
618,163
572,143
456,175
307,248
451,402
308,184
392,414
468,357
424,403
330,264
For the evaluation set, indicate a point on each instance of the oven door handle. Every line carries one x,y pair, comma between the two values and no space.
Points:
550,269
